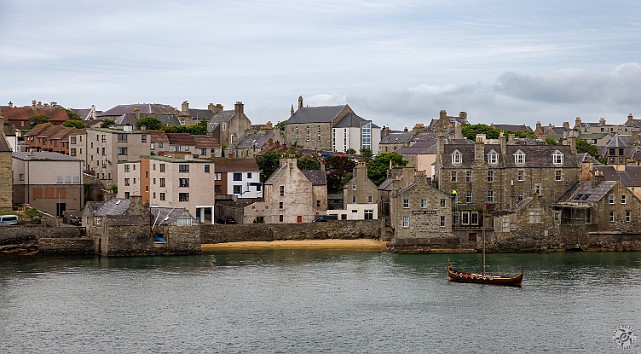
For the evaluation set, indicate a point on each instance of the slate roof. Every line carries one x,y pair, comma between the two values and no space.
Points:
586,192
512,127
201,114
43,156
260,138
145,109
351,120
205,141
317,177
126,220
94,205
114,206
323,114
616,142
535,155
522,204
235,165
397,138
222,116
631,177
130,119
159,137
167,216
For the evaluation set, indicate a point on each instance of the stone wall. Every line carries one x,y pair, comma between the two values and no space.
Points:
135,240
342,229
47,240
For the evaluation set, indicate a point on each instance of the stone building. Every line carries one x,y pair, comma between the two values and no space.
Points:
290,196
6,198
361,196
129,114
330,128
49,181
422,215
49,137
446,124
239,178
19,116
253,143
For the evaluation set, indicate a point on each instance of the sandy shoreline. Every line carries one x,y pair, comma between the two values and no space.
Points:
358,244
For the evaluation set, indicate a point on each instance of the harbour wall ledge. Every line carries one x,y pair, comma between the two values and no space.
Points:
27,240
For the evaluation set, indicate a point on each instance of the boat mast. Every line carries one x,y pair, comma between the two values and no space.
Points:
483,221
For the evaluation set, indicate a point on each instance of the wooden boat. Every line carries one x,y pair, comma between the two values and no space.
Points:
483,277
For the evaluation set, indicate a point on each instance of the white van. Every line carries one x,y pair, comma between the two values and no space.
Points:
8,220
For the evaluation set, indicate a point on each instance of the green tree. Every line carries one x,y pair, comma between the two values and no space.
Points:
471,130
268,164
583,146
107,123
377,167
196,129
339,172
350,151
280,126
37,119
71,114
75,123
308,163
150,123
366,153
551,141
523,134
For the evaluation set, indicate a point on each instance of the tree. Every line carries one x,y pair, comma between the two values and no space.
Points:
366,153
582,146
551,141
377,168
71,114
471,130
350,151
339,172
150,123
38,119
75,123
196,129
107,123
523,134
307,163
268,164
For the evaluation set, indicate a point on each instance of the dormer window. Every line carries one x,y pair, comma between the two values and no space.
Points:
457,158
557,157
519,158
492,157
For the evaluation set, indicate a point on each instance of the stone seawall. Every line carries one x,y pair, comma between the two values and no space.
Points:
343,229
44,240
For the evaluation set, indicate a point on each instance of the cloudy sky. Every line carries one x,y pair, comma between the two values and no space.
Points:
395,62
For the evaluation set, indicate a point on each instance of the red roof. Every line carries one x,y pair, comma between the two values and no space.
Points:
24,113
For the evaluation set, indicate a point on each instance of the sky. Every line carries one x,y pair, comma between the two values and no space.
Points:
396,62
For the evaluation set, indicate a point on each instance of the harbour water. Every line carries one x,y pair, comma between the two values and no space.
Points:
299,301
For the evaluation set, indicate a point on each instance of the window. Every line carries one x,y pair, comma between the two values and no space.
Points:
490,176
423,202
611,198
468,196
238,189
281,205
520,175
493,158
353,199
318,203
354,186
238,176
218,176
122,151
183,197
558,176
126,181
474,218
366,136
126,168
207,167
537,189
154,181
73,152
453,179
612,216
162,182
519,196
162,167
370,199
442,203
557,157
628,216
468,176
126,195
152,146
465,218
143,138
183,182
249,175
369,214
182,168
623,199
519,158
282,191
457,158
318,133
406,203
73,139
490,196
307,134
442,223
154,195
280,217
122,138
406,221
535,216
104,152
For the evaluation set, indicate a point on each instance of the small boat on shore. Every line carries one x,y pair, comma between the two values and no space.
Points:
482,277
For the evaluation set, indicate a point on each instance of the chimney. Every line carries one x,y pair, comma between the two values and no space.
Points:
629,122
137,113
405,130
571,141
635,138
300,102
566,126
503,143
598,178
239,107
511,139
10,104
463,115
92,113
291,111
443,114
601,121
185,106
1,125
479,148
458,131
586,169
384,132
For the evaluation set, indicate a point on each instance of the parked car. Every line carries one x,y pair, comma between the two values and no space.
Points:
8,220
226,220
325,218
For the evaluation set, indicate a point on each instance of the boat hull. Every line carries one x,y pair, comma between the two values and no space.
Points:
489,279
